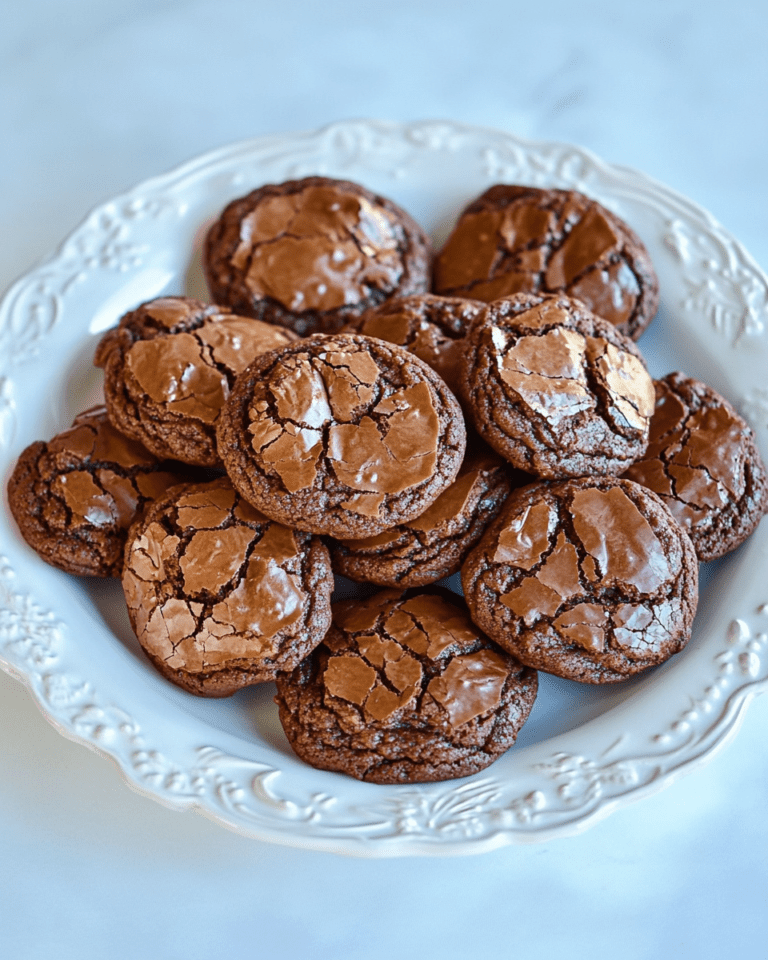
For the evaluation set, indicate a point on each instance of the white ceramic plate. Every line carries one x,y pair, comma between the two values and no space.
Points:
584,750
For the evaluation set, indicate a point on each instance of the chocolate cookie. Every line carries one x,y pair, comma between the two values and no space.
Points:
432,545
590,579
221,597
556,390
702,460
341,434
75,497
170,365
313,253
404,689
516,239
432,327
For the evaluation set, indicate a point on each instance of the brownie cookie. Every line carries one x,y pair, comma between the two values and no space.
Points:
590,579
556,390
170,365
516,239
313,253
221,597
405,689
75,497
702,460
434,544
341,434
432,327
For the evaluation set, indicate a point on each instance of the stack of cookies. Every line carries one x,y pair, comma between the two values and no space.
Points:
354,405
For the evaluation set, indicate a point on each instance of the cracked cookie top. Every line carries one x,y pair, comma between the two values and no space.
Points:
434,544
405,688
169,366
591,579
221,597
75,496
341,434
703,461
516,239
313,253
555,389
427,325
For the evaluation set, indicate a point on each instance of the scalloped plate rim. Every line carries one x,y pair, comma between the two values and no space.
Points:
730,716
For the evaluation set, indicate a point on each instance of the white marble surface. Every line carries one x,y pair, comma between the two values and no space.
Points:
97,96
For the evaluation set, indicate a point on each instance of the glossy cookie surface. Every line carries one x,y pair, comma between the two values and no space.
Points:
589,579
430,326
169,367
405,689
554,389
75,496
313,253
702,460
221,597
516,239
434,544
344,435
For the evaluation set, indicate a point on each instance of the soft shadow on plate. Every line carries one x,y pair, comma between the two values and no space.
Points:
78,386
107,604
194,279
665,352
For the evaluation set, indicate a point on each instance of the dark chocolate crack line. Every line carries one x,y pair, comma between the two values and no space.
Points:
75,496
341,434
410,664
703,461
590,579
169,368
555,389
313,253
524,240
429,326
220,596
434,544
